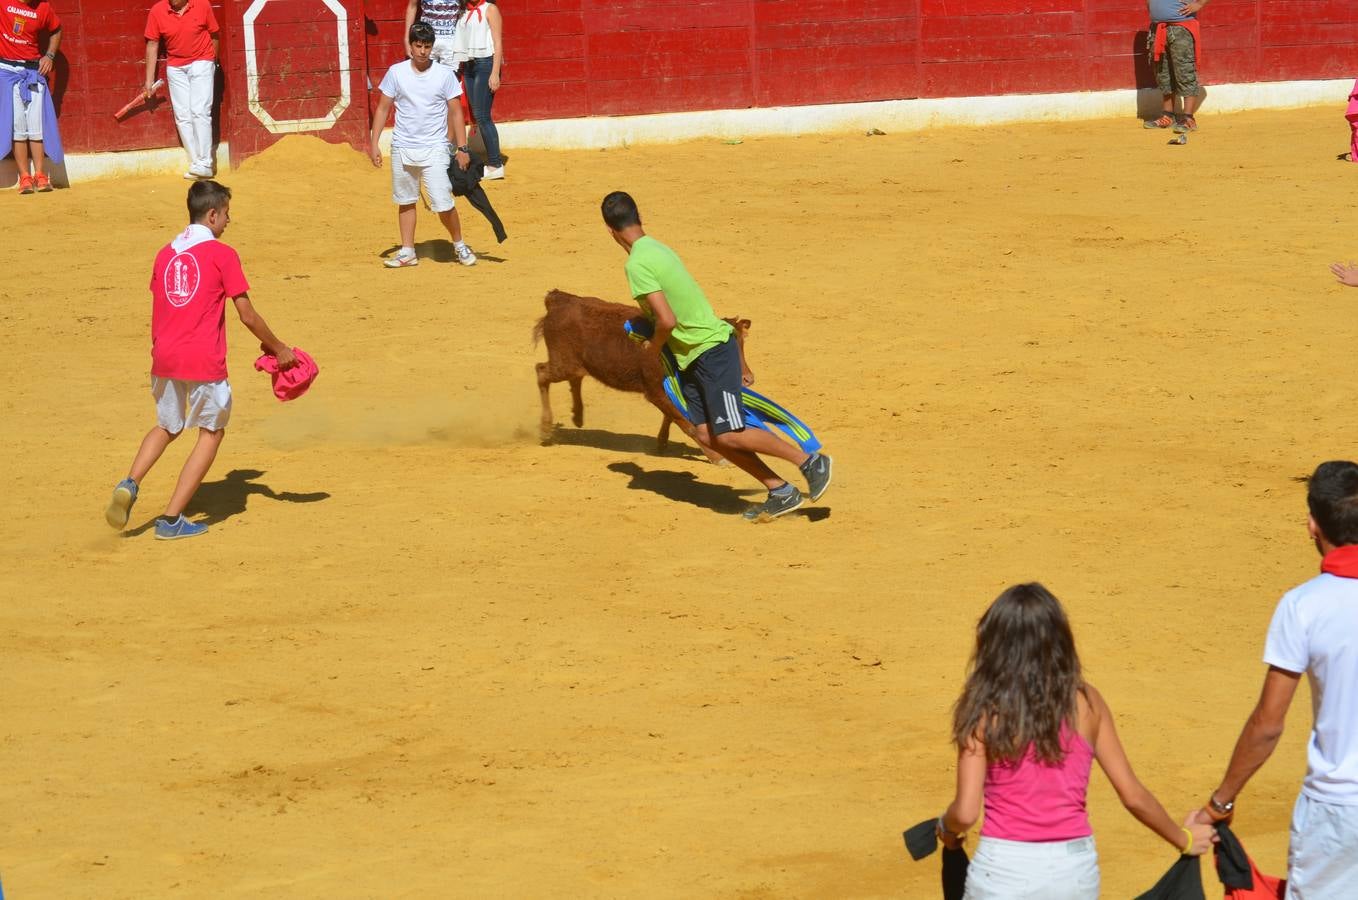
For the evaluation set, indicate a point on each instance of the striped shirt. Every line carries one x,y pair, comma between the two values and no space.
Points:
442,15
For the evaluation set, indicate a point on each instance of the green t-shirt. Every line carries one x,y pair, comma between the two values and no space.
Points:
651,267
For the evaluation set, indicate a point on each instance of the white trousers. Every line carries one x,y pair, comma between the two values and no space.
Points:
1019,870
191,94
1322,858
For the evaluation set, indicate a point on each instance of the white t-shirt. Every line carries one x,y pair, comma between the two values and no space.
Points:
421,103
1315,630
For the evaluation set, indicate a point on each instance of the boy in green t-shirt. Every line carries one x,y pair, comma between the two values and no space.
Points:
709,363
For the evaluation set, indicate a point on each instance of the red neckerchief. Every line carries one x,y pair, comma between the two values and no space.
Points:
474,8
1341,561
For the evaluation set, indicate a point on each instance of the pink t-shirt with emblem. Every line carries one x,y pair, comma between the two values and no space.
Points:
189,290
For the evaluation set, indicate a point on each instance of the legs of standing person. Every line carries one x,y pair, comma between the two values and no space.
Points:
191,89
480,97
1182,54
405,193
439,189
1162,80
177,77
405,221
453,222
28,133
202,87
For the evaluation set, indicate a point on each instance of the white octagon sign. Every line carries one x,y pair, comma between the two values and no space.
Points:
289,126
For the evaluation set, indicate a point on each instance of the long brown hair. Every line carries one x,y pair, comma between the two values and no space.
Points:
1023,679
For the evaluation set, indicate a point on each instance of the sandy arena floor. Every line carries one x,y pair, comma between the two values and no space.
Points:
420,655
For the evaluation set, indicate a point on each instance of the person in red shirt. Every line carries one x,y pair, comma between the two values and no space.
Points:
192,277
23,23
189,30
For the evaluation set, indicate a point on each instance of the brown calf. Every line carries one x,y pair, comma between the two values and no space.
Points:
584,336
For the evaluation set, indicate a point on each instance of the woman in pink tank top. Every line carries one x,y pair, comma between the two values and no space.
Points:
1027,728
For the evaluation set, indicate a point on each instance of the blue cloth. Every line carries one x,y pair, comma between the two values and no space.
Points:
27,79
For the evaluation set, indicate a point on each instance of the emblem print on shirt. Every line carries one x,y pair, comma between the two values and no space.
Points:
181,279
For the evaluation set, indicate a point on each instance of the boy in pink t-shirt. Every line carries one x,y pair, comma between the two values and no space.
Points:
192,278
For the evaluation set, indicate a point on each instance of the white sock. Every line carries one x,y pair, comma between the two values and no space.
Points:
458,245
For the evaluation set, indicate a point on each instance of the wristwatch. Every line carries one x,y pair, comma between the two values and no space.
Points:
464,149
1218,809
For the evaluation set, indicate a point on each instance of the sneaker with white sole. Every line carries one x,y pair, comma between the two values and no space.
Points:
120,507
176,528
817,472
401,259
493,173
464,255
778,504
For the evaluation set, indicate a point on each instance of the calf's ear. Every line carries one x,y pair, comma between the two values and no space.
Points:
743,324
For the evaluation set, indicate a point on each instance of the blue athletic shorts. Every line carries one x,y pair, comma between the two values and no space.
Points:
711,388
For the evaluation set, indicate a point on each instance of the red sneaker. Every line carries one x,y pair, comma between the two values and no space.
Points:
25,184
42,183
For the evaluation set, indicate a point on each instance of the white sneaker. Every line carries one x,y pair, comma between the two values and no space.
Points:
401,259
464,255
493,173
196,174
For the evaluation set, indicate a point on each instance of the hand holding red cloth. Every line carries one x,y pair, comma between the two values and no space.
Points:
292,382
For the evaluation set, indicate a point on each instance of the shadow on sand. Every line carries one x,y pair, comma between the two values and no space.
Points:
620,443
217,501
686,488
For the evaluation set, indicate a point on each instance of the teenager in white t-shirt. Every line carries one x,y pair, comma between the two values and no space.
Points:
428,119
1315,631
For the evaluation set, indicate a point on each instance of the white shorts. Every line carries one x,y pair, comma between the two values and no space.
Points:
27,117
191,404
424,165
1019,870
1322,856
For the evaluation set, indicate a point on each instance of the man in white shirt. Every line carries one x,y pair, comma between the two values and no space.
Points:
428,119
1314,630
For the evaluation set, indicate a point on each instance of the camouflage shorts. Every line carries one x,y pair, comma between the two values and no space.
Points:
1176,71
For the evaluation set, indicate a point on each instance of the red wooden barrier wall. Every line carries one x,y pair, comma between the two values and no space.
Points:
568,58
101,67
